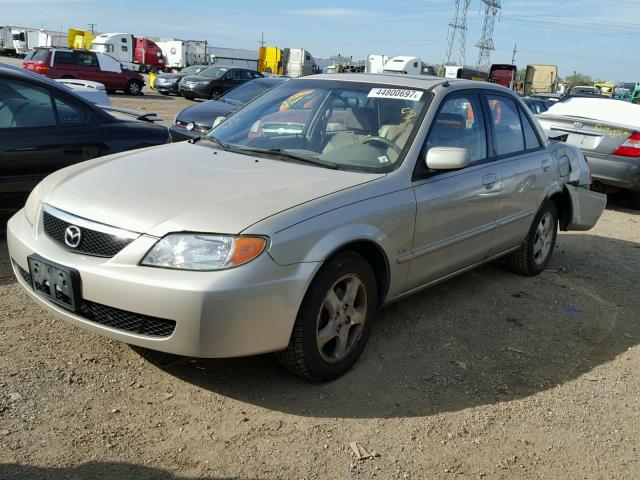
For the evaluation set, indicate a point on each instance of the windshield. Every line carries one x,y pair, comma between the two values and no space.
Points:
213,72
343,125
192,70
244,93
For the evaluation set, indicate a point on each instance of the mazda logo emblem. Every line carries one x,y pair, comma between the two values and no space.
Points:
72,236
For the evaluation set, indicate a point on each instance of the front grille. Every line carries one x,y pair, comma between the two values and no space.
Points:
116,318
128,321
92,242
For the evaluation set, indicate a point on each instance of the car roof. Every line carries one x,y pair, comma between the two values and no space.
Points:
411,81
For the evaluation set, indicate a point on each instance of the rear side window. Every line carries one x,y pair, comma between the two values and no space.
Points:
86,59
63,57
507,128
25,106
70,114
460,123
530,138
39,54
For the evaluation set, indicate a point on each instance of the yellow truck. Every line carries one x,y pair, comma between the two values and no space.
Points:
605,89
270,60
80,38
540,79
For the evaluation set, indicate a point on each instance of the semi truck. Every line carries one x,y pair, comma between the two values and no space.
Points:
540,79
375,63
504,74
179,54
135,53
298,62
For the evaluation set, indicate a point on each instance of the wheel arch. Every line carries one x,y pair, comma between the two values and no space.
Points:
562,202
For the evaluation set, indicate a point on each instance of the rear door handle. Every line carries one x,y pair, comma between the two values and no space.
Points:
546,164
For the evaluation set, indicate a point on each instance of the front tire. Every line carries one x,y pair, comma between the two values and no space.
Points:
534,254
334,321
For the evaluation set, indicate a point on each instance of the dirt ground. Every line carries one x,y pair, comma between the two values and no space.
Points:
487,376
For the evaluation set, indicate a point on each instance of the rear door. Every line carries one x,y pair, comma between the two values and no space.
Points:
39,134
525,165
456,209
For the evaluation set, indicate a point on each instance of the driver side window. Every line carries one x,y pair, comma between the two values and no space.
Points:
460,123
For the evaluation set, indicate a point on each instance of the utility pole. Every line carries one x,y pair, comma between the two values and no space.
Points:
457,35
261,41
513,58
485,45
92,25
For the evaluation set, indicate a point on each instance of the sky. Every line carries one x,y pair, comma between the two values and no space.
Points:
595,37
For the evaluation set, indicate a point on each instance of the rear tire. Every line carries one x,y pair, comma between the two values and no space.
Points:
334,321
534,254
164,93
215,93
134,87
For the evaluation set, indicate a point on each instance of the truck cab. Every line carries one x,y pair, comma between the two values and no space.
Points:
404,65
137,54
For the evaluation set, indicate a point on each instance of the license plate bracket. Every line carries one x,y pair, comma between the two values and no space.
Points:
57,283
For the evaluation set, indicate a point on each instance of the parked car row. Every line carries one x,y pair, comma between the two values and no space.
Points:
206,82
286,227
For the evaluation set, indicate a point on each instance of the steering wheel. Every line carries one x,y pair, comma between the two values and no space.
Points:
385,142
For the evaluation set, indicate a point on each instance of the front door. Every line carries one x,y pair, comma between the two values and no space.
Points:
456,210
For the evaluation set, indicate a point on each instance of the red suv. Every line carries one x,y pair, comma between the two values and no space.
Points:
84,65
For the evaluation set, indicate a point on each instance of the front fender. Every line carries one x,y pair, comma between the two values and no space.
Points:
387,221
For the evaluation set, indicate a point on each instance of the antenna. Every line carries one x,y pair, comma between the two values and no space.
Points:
457,30
491,10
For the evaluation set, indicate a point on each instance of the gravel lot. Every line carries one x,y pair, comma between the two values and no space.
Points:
489,375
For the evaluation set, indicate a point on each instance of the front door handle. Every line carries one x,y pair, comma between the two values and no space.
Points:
492,184
490,179
546,164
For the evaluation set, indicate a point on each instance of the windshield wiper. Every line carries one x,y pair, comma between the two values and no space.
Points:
285,153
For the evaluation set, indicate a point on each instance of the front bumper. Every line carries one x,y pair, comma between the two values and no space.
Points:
621,172
241,311
168,88
194,92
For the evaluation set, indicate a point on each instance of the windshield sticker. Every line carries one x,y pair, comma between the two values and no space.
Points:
296,98
383,159
396,93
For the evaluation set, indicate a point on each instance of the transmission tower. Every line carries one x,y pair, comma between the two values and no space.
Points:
491,10
457,31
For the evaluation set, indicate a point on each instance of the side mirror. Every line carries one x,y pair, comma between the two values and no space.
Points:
447,158
218,121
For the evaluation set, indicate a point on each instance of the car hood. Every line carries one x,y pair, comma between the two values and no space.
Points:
205,113
171,76
190,187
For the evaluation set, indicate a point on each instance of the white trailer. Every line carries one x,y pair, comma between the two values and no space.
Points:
298,62
234,56
25,39
183,53
451,71
404,65
6,41
375,63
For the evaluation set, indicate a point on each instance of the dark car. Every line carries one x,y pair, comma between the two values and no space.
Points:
214,81
536,105
45,126
195,120
84,65
167,83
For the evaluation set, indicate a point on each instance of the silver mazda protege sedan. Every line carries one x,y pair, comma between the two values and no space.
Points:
286,227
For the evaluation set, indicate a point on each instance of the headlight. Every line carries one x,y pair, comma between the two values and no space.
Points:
204,252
